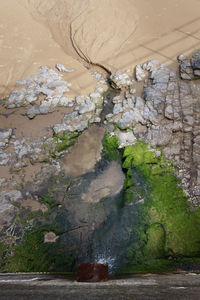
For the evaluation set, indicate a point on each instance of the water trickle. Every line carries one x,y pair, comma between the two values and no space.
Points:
108,105
111,240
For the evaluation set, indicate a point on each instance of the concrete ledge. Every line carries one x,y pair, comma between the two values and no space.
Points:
150,286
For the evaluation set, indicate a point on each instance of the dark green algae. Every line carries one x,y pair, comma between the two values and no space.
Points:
28,252
33,255
167,231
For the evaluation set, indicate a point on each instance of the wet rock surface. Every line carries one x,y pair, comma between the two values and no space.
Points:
86,153
108,183
62,187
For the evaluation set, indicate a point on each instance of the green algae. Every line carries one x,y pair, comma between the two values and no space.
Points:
62,142
132,190
111,147
168,227
29,252
4,248
168,230
33,255
51,202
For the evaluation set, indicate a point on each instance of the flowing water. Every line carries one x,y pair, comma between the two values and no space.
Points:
107,227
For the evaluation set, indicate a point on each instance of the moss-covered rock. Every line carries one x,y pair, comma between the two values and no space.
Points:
62,142
33,255
169,228
29,252
150,223
111,147
155,245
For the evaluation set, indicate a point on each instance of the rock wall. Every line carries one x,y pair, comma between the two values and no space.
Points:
101,176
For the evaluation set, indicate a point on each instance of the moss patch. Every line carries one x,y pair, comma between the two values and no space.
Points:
62,142
51,202
111,147
134,187
28,252
33,255
168,227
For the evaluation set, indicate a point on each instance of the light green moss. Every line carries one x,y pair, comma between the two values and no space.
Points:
129,180
156,238
129,187
62,142
168,225
111,147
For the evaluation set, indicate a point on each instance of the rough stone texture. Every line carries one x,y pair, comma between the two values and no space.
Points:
47,83
86,112
190,66
139,73
168,117
50,237
122,79
126,138
8,209
5,135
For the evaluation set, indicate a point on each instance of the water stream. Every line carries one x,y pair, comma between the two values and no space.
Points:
110,224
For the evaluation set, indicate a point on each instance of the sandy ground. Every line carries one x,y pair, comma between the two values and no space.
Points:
117,33
27,44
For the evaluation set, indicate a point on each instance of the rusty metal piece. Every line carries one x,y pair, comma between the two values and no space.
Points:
92,272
